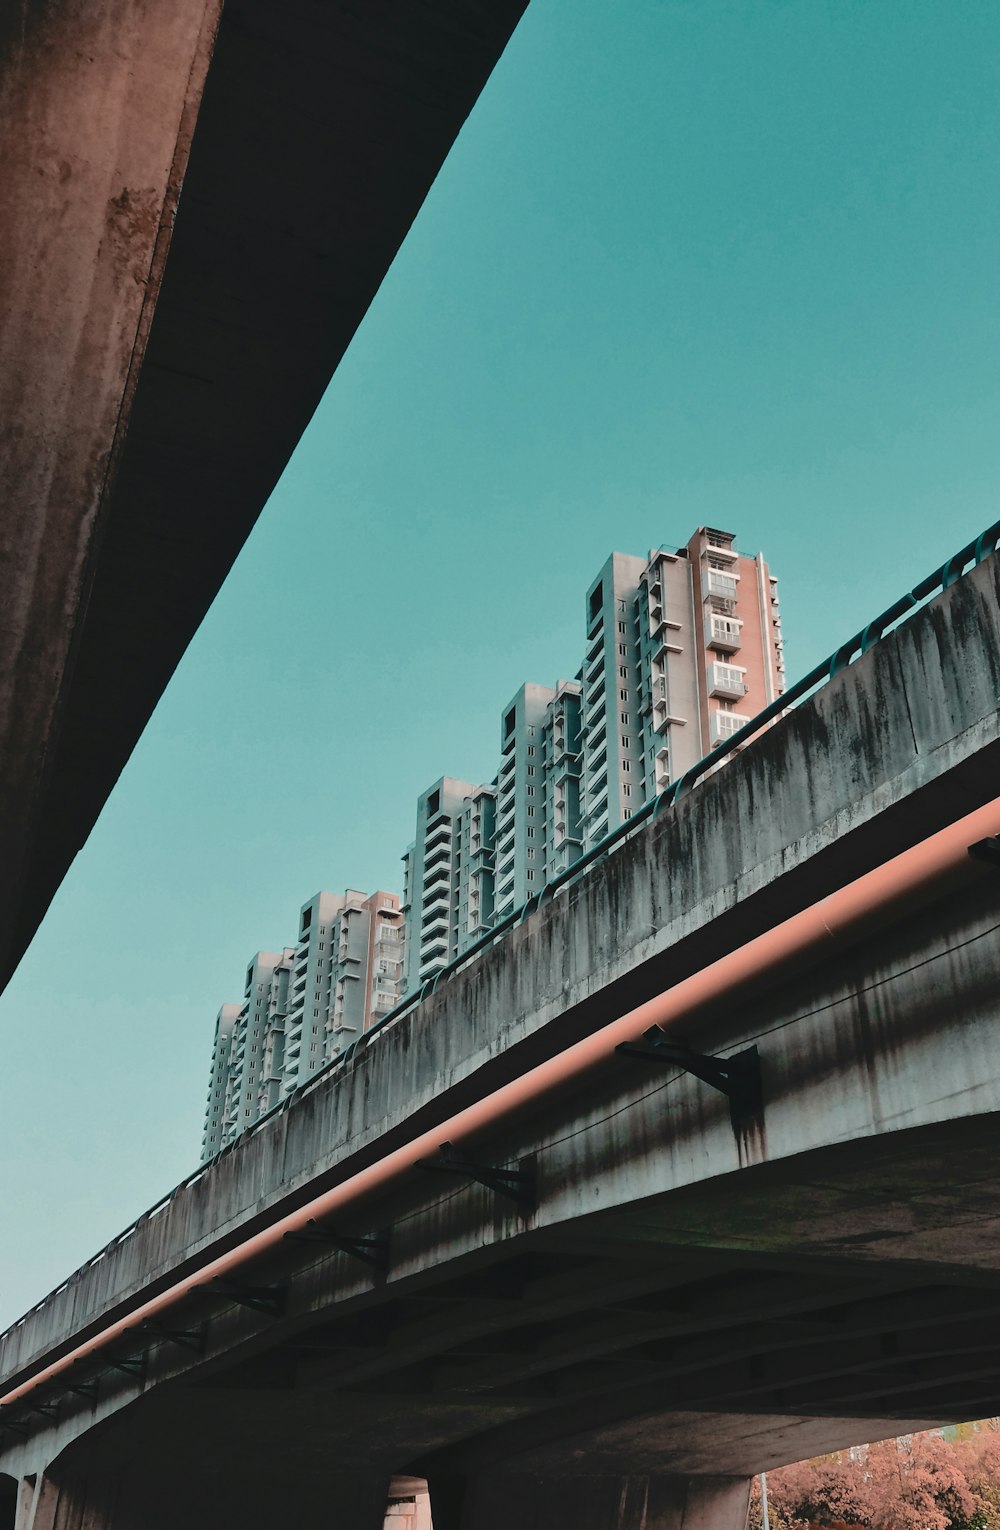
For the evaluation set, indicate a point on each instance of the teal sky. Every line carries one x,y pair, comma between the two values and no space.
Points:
725,263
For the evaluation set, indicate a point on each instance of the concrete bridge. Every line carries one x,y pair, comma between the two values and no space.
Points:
198,202
577,1286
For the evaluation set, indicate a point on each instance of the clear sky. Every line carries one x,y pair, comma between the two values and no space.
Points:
689,262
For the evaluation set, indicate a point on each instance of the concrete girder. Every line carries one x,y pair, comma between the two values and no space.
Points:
672,1304
163,349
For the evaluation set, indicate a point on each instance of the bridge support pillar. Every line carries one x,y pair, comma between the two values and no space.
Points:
232,1499
495,1501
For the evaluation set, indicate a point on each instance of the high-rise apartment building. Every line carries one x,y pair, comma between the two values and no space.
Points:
520,825
477,866
561,770
682,648
437,880
219,1082
302,1005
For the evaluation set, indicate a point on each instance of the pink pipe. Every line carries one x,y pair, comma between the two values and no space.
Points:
835,917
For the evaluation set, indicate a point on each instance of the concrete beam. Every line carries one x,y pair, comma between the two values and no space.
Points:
163,350
661,1261
98,104
903,741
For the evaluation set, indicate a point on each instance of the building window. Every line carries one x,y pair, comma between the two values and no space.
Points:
623,695
622,672
626,764
626,791
622,627
623,649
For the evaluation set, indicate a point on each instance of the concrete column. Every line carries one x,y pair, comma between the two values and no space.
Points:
8,1501
409,1505
241,1495
498,1501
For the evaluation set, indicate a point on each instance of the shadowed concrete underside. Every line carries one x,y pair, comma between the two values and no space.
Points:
686,1301
156,374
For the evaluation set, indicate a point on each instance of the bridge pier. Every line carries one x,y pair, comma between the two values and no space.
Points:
240,1495
496,1501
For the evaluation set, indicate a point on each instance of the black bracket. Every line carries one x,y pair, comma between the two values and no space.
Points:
15,1425
373,1251
986,850
514,1184
186,1338
737,1077
86,1389
135,1366
269,1299
45,1410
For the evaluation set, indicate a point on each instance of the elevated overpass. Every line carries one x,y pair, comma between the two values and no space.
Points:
198,202
573,1285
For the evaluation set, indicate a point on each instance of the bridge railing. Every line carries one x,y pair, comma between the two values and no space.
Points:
971,555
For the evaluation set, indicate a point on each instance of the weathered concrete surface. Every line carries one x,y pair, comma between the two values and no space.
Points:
97,108
905,740
137,451
683,1300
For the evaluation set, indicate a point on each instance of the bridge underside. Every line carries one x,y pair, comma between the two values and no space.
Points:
156,372
839,1297
688,1299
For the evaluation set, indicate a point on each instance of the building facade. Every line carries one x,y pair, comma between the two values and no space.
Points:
681,649
302,1006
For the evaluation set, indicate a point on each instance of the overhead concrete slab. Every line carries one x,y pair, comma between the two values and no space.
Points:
198,202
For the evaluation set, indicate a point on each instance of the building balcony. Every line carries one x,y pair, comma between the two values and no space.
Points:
725,724
724,633
435,838
726,680
718,586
